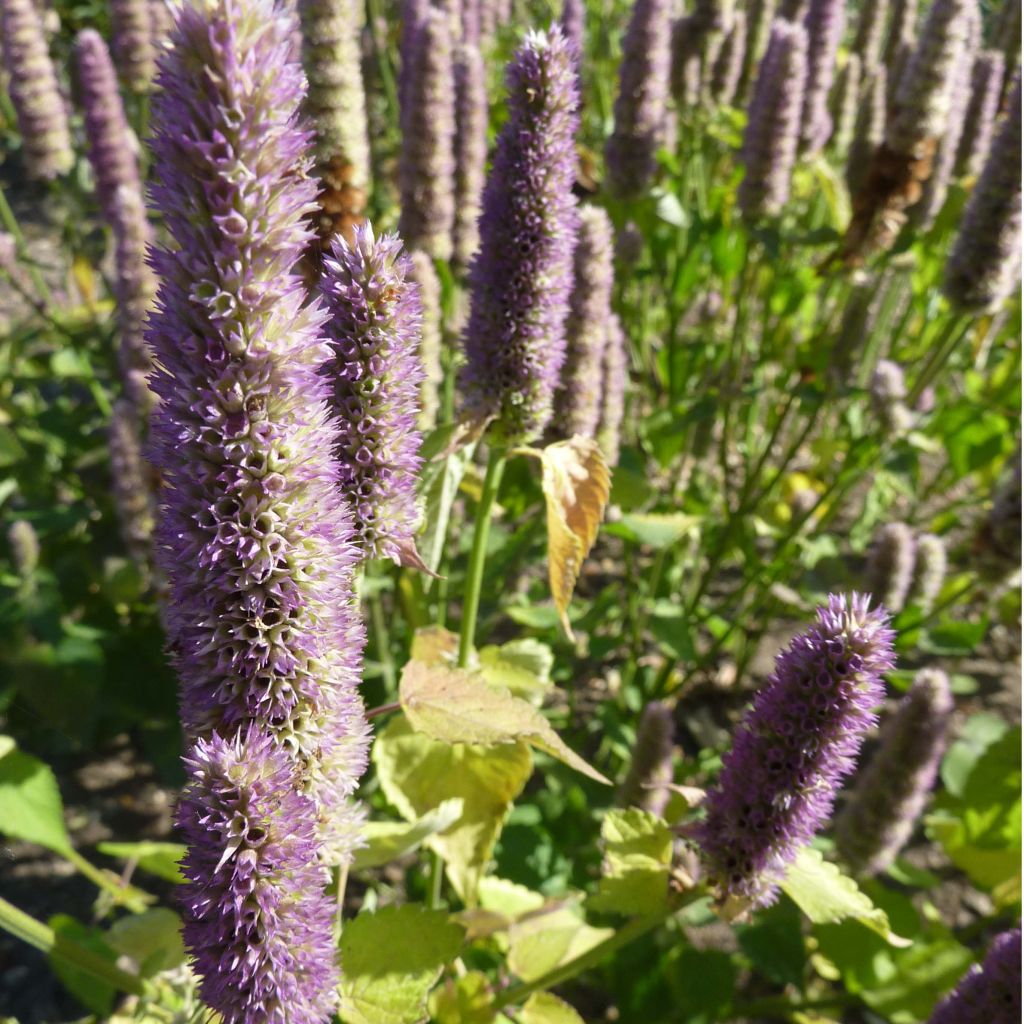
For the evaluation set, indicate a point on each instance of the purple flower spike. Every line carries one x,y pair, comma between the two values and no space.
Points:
984,264
642,100
825,23
890,565
868,130
132,24
929,571
613,394
894,787
578,400
870,33
902,35
845,103
34,92
989,993
888,392
470,150
773,124
796,744
650,771
574,20
254,539
132,485
375,376
428,285
729,65
257,918
522,275
979,122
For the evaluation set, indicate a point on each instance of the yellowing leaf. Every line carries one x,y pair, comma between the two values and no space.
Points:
417,772
637,853
542,942
576,483
827,896
457,706
435,645
390,960
387,840
465,1000
547,1008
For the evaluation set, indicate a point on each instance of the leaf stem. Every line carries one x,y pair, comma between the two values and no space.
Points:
478,553
126,895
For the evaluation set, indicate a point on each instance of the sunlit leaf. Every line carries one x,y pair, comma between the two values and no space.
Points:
465,1000
637,852
30,803
543,941
388,840
160,859
547,1008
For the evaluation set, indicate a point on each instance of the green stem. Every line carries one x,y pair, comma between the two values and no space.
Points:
382,641
127,895
783,1006
12,225
60,947
941,350
632,931
478,553
436,880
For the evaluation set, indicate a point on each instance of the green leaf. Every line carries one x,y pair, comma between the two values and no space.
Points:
390,960
152,939
656,530
94,993
637,853
547,1008
977,735
827,896
775,944
465,1000
389,840
160,859
30,803
522,666
417,772
542,942
924,973
508,898
456,706
441,478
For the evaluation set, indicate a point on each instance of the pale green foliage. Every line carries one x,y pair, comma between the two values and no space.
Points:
637,853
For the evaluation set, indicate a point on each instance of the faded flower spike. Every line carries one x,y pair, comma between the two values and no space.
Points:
984,264
426,170
890,565
929,571
613,395
794,747
578,400
650,772
521,278
254,537
374,324
23,542
641,103
729,66
132,23
257,918
132,485
888,391
870,33
893,789
868,129
470,150
34,92
825,23
845,102
773,126
428,285
988,993
979,122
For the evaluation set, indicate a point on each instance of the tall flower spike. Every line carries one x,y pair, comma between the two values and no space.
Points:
256,916
578,399
131,23
929,571
113,149
826,21
988,993
470,150
845,103
23,542
428,285
413,14
426,170
794,747
773,125
870,34
642,100
888,392
375,376
613,392
902,33
573,21
868,131
728,68
999,539
521,278
254,537
34,92
336,105
759,25
685,67
890,565
893,789
650,771
984,263
132,485
979,122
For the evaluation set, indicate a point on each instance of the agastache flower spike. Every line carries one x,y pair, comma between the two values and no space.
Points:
729,65
773,126
257,919
890,565
131,23
894,787
759,25
979,122
426,171
521,278
336,104
869,129
902,33
796,744
988,993
375,376
650,771
984,263
613,393
132,485
845,103
641,103
685,68
999,538
428,285
34,92
470,150
825,22
23,542
929,571
870,34
578,400
888,392
573,21
254,538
